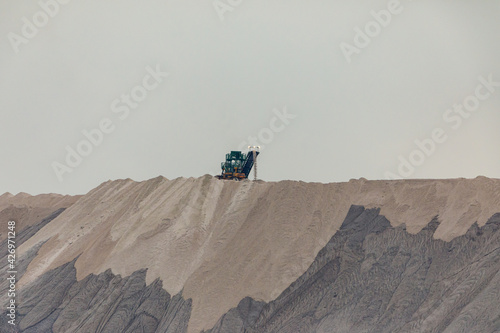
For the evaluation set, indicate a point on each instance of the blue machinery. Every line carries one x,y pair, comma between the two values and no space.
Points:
238,164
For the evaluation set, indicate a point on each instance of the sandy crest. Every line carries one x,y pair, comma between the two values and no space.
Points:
27,210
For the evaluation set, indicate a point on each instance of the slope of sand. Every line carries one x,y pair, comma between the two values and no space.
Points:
219,241
27,210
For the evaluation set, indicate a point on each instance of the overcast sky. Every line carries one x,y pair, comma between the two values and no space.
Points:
326,102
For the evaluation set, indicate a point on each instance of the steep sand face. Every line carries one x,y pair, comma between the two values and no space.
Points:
26,209
220,241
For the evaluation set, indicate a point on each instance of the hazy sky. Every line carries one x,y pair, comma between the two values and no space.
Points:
332,90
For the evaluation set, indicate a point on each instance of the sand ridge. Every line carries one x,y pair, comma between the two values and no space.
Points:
219,241
26,209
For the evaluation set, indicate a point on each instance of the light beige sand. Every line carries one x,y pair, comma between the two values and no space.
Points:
220,241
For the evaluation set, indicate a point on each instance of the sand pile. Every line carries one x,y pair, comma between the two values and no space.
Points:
219,241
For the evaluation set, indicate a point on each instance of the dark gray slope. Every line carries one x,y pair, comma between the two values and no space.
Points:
105,303
371,277
21,262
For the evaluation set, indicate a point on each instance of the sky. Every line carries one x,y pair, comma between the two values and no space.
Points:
92,91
